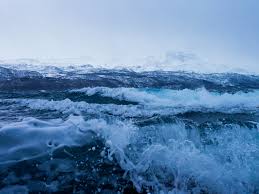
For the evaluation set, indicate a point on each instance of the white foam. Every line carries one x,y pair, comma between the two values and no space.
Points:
225,166
162,102
157,155
178,98
80,108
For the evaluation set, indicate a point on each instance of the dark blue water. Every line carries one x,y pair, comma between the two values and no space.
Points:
128,132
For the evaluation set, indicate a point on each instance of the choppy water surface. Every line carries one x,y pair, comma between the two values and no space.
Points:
130,139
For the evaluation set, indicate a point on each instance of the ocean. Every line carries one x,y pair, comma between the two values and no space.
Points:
121,131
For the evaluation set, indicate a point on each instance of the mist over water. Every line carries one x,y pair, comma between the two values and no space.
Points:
154,132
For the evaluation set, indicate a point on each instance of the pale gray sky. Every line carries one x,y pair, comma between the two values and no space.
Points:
124,31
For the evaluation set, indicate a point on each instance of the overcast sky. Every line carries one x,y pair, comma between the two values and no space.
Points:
123,31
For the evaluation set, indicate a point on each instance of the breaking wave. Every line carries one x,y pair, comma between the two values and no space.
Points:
155,101
174,98
129,140
165,158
